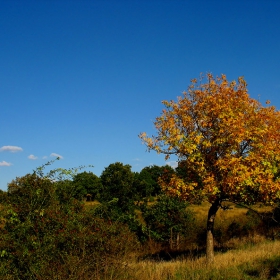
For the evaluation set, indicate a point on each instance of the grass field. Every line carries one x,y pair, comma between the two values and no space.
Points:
255,259
252,256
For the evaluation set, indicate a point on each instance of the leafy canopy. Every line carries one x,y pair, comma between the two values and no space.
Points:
146,182
227,143
117,181
87,183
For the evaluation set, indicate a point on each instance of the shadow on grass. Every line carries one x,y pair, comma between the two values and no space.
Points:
263,269
171,255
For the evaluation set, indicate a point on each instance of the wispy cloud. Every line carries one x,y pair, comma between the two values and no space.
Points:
56,155
136,159
45,157
32,157
12,149
4,163
173,164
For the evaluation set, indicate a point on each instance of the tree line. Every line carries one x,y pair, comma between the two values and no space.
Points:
47,225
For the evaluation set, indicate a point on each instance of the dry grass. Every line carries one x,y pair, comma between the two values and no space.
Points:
233,212
92,203
253,257
244,263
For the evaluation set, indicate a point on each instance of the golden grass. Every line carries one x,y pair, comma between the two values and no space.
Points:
202,210
247,261
225,217
229,265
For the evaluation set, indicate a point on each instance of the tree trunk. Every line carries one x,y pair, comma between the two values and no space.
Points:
171,240
178,241
210,227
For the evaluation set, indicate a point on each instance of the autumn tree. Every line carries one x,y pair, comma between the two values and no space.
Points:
226,142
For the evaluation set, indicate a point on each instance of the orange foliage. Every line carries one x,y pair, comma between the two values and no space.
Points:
227,144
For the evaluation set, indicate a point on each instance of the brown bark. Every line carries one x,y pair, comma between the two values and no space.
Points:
210,227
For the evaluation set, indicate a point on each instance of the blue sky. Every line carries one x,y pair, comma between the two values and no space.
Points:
81,79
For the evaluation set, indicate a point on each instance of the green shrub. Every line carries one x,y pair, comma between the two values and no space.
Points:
168,220
46,237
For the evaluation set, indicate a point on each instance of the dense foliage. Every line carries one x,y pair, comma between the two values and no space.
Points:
117,183
168,219
146,182
45,236
87,185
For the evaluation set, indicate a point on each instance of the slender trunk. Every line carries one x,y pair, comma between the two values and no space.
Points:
178,241
210,227
171,239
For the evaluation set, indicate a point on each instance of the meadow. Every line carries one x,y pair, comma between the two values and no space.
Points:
253,258
254,255
249,257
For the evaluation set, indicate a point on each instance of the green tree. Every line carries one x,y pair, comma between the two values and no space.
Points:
147,180
3,196
227,143
117,181
88,183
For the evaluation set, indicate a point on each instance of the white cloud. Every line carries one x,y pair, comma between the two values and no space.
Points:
12,149
32,157
56,155
45,157
137,159
173,164
4,163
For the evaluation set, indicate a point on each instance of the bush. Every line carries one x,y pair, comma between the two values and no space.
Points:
46,237
168,220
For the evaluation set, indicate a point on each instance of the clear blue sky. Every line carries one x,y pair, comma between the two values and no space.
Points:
81,79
